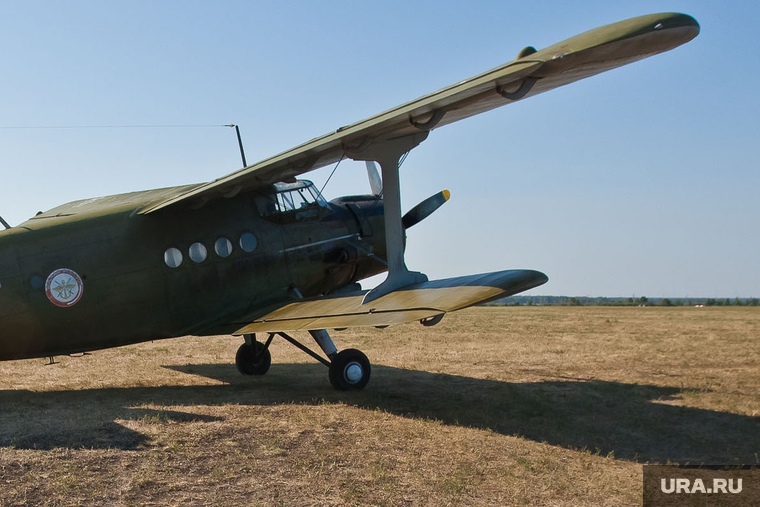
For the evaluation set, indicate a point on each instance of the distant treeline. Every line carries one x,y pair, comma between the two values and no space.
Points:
619,301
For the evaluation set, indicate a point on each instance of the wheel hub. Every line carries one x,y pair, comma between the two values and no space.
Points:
353,372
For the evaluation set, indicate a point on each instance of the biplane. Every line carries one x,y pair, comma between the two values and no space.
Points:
261,252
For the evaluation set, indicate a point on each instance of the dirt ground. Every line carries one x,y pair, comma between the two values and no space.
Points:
555,406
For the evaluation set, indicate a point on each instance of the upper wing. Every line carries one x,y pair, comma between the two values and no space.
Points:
411,303
531,73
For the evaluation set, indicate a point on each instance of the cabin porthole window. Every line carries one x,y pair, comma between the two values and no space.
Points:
248,242
173,257
197,252
223,247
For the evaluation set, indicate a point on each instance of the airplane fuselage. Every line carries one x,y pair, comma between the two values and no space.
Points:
71,283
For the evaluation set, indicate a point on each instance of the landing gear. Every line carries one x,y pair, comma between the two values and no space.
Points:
253,358
348,370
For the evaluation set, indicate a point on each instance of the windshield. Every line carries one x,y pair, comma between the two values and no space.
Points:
294,196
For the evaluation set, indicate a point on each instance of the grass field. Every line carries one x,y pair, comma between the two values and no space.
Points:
555,406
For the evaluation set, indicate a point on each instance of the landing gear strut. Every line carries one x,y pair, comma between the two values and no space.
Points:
348,369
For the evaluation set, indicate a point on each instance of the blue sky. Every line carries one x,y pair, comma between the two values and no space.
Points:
640,181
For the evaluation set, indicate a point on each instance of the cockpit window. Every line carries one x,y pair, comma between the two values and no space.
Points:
296,196
294,199
316,194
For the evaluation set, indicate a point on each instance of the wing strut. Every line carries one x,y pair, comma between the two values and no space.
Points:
387,154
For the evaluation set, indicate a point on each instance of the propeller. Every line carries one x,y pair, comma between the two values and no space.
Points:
425,208
419,212
375,182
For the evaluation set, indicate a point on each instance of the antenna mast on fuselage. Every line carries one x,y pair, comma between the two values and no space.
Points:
240,142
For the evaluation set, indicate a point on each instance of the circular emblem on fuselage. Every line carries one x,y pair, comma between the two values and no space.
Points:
64,287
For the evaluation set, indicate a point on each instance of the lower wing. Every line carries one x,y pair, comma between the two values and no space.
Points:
414,302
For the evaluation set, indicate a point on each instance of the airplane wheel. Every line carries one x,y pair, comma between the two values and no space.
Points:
248,364
349,370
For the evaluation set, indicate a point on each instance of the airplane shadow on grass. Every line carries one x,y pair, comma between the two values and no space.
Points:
624,420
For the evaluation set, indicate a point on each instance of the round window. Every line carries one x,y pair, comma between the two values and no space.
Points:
198,252
173,257
223,247
248,242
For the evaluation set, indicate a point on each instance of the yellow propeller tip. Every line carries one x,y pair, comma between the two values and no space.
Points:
446,194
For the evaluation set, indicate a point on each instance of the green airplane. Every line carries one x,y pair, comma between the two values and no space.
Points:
259,251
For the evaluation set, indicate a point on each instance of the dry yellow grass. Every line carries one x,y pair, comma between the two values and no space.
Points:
494,406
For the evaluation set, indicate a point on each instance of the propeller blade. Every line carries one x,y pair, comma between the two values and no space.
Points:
425,208
375,182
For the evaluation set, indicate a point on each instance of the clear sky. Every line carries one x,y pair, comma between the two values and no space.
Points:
640,181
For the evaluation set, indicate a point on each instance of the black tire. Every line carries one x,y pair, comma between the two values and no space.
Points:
344,374
249,363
